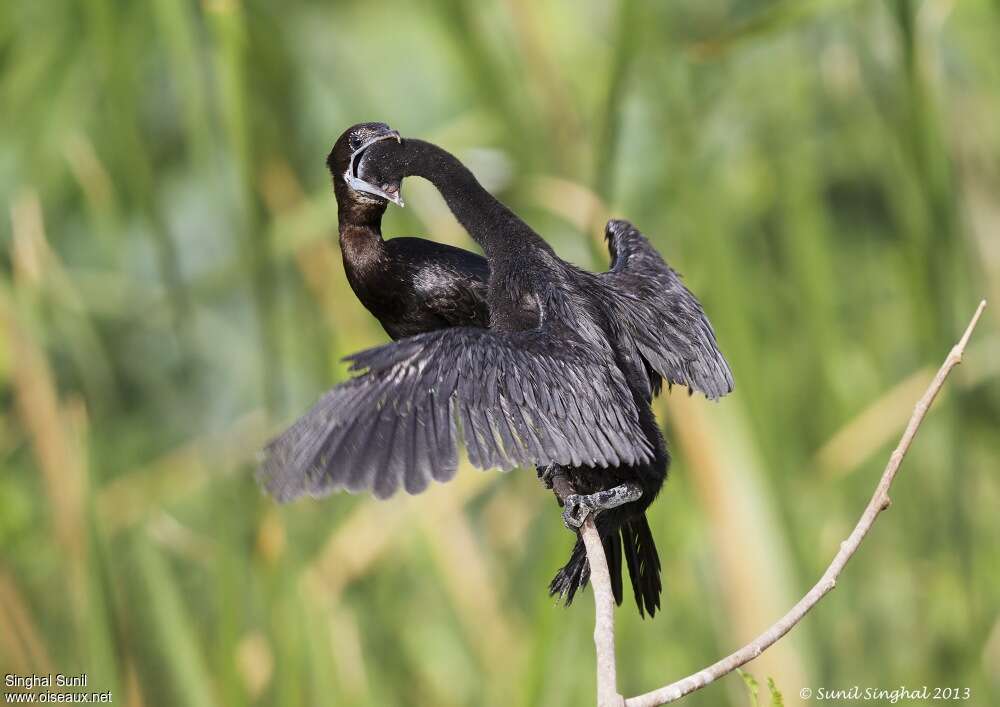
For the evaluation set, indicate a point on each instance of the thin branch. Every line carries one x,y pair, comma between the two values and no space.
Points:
604,617
604,604
603,632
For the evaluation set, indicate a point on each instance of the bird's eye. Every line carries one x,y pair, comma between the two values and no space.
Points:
355,142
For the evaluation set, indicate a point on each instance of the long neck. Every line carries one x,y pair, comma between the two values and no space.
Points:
360,229
355,214
492,225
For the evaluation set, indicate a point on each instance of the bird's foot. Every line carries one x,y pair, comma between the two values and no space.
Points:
578,508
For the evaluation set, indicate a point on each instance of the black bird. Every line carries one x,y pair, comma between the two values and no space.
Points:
564,378
410,285
414,286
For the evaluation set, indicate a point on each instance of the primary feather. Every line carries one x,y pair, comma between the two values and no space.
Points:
519,397
660,316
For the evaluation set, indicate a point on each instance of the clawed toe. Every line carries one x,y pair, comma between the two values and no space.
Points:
575,511
546,474
576,508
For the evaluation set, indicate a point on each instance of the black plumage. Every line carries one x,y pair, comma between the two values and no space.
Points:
563,377
410,285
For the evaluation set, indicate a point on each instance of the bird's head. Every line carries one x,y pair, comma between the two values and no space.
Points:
343,165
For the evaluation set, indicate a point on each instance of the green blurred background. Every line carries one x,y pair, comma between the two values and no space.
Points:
825,173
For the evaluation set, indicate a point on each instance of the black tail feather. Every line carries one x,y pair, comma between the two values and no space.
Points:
643,564
641,558
613,551
572,576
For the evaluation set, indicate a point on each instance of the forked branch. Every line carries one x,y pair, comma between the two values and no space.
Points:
607,693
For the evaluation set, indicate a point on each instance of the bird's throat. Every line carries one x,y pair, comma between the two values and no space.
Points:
362,247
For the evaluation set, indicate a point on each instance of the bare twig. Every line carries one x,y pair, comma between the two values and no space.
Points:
604,617
562,487
604,604
603,632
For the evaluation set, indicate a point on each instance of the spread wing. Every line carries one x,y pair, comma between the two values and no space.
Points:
665,321
519,398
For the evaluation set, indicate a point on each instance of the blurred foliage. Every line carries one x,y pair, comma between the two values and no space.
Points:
824,172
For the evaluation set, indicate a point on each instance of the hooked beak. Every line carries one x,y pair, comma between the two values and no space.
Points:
358,184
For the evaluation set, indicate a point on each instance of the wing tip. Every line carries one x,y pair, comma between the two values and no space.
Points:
284,480
276,483
724,380
617,227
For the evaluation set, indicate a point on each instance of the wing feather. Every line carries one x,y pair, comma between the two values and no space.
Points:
664,322
394,423
418,472
388,472
443,447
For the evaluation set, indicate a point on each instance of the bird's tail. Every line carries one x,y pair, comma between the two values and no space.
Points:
643,564
633,540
